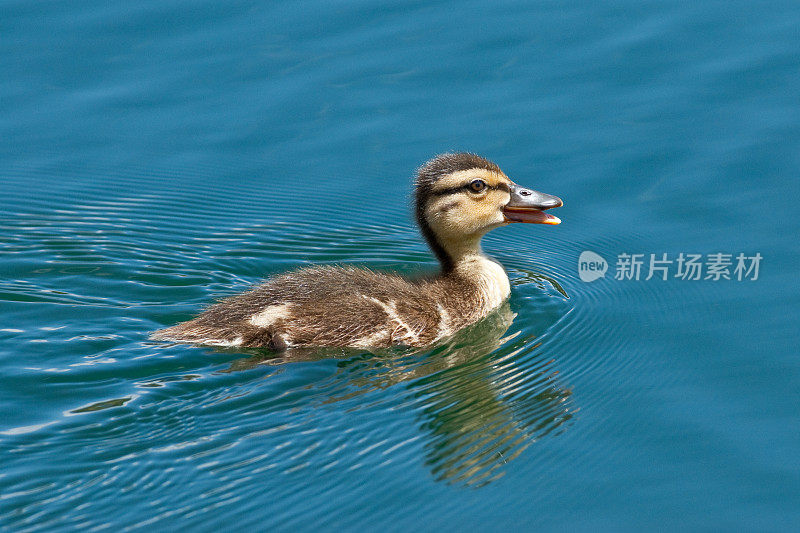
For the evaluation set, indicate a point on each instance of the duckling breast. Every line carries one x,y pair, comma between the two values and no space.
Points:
487,279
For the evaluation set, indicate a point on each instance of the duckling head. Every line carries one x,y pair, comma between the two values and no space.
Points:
461,196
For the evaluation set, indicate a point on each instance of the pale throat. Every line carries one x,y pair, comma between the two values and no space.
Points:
463,248
470,261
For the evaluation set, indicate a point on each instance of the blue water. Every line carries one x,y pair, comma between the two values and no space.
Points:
156,156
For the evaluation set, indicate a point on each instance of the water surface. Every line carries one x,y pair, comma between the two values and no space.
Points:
158,156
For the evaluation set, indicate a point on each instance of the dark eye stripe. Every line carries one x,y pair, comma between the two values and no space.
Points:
467,187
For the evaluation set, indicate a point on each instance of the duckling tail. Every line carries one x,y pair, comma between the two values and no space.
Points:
197,332
194,332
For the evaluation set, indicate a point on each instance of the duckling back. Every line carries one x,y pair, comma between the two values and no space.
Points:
336,306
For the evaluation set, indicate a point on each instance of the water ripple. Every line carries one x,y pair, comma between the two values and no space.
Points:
216,422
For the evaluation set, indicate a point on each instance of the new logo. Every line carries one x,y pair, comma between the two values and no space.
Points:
591,266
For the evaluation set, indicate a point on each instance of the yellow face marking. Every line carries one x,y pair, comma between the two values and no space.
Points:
459,211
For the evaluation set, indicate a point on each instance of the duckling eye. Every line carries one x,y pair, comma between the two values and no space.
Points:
477,185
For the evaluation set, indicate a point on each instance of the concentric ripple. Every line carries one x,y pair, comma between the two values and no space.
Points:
136,419
160,155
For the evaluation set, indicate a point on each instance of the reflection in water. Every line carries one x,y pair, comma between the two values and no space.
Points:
99,406
483,397
544,282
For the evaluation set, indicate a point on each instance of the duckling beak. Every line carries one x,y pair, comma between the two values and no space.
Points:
527,205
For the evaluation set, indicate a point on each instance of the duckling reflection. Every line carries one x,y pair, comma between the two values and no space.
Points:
482,414
483,396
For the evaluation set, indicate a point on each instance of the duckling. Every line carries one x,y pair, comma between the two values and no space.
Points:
459,197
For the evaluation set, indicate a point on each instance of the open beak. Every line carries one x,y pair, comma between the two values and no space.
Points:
528,206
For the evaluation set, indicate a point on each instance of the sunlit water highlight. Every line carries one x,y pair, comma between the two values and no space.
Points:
161,156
